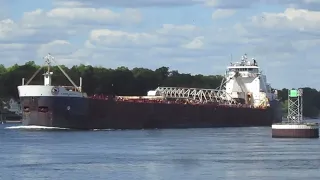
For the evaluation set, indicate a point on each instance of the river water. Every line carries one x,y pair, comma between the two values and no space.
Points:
189,154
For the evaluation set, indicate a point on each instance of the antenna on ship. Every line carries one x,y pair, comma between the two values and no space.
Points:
48,75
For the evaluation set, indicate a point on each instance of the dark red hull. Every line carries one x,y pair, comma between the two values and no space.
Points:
86,113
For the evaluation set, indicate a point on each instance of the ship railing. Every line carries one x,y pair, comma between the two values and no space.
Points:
70,88
99,96
243,64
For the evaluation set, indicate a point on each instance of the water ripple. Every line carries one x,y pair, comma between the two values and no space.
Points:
221,153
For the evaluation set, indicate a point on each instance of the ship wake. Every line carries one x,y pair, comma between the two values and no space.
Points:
33,127
47,128
103,129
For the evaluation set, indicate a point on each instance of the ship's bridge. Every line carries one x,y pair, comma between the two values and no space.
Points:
244,80
245,68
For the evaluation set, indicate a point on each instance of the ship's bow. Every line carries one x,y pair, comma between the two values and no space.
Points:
53,107
36,111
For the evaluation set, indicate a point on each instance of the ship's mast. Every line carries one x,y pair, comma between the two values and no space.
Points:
48,74
49,59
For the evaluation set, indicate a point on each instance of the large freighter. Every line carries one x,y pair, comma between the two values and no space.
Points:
243,99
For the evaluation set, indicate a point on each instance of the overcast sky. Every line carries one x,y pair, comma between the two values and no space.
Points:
192,36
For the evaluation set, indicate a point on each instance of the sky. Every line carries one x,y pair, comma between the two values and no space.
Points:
191,36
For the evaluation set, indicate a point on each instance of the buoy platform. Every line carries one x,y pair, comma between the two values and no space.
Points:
303,130
295,126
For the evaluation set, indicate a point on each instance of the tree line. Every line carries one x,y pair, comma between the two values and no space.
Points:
124,81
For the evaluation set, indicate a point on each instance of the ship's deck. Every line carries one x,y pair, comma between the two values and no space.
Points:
137,99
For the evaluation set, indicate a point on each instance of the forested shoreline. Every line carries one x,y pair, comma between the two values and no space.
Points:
124,81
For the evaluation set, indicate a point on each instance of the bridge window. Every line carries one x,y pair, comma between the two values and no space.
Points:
243,69
253,70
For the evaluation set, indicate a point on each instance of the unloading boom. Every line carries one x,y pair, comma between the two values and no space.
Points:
198,94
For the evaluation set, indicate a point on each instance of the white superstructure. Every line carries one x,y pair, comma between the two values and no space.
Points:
47,89
244,80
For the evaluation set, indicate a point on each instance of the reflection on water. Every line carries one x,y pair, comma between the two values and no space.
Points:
221,153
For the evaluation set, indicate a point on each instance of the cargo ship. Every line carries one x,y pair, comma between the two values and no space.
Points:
243,99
